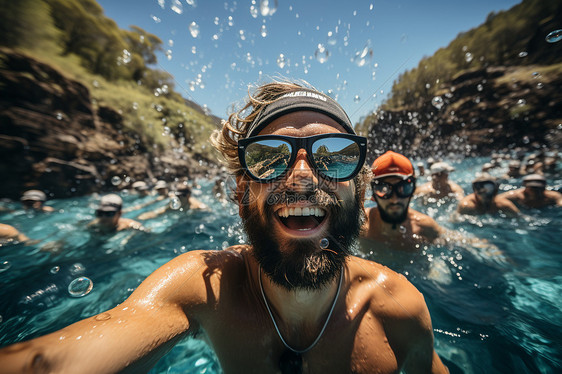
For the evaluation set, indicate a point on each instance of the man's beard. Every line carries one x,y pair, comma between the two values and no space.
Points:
394,220
303,263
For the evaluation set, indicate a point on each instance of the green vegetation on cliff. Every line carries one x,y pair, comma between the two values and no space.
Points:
116,65
511,38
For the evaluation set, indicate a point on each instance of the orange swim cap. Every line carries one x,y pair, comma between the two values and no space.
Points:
392,164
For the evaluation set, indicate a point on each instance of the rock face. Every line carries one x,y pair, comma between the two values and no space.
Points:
52,138
479,112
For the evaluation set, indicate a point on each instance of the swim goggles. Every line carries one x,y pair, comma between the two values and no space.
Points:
402,189
484,188
105,213
336,156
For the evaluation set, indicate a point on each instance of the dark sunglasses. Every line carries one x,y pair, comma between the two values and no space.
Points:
104,213
336,157
384,190
486,188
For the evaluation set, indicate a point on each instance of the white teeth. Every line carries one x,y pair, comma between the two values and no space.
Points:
306,211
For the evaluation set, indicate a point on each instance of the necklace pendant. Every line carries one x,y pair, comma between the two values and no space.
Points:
290,362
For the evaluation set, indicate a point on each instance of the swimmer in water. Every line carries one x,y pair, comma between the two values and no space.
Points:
10,233
440,187
292,301
534,194
35,200
185,202
392,222
485,199
108,216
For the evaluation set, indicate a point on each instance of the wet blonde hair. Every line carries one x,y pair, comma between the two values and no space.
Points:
238,123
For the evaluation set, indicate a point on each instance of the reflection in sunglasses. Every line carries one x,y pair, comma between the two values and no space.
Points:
333,156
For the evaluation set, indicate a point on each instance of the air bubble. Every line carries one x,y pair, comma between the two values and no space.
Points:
324,243
523,54
402,229
177,7
263,31
199,229
80,287
77,268
55,269
357,98
468,57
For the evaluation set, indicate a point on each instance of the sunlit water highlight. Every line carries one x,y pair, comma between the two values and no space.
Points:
491,314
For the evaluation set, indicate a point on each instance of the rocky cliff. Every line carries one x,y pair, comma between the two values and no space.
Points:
476,113
54,138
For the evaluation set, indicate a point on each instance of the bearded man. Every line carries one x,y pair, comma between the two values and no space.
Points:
392,223
293,300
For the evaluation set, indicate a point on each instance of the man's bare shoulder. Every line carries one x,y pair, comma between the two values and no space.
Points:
421,219
193,276
392,295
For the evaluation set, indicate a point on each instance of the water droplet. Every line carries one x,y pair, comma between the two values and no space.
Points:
402,229
268,8
324,243
201,361
254,11
523,54
103,316
4,265
177,7
80,287
321,54
263,31
193,3
468,57
199,229
540,85
77,268
521,102
155,19
554,36
437,102
116,181
55,269
356,98
361,56
332,40
479,87
168,54
175,203
281,62
194,29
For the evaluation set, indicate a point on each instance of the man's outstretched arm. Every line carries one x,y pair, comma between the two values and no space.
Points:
128,338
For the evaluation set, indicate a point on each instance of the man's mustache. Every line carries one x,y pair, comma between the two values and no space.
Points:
316,197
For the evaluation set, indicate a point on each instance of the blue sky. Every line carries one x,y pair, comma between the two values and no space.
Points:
352,50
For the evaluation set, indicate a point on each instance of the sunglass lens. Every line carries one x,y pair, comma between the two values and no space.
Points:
382,190
267,159
336,157
405,189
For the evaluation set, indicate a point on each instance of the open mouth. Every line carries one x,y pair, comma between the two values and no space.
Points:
301,220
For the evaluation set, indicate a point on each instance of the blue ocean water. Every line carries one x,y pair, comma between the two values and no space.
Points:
492,311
